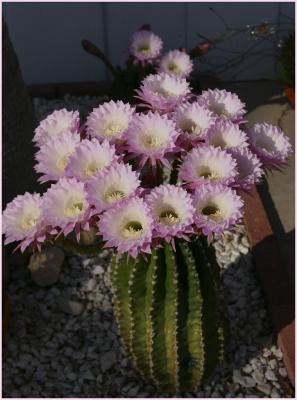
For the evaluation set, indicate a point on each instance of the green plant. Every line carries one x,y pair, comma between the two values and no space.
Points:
168,314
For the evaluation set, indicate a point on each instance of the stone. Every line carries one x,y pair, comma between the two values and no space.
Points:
107,360
98,270
245,381
272,363
258,376
282,372
275,394
270,375
90,285
45,266
264,388
70,307
133,392
247,369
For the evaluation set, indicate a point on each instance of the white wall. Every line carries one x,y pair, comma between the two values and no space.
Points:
47,36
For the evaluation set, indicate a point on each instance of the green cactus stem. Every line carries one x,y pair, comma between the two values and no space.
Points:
168,314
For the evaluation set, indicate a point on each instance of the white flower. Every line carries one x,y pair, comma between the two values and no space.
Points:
222,103
109,121
111,186
193,120
226,135
58,122
53,156
177,63
89,158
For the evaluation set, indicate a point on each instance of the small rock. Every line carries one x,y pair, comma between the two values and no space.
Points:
264,388
247,369
133,392
70,306
98,270
107,360
282,372
45,266
90,285
245,381
258,376
272,363
71,376
89,376
270,375
275,394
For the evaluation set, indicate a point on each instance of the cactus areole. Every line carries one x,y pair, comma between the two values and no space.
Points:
168,314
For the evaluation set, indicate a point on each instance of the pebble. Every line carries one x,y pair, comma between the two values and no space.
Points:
98,270
264,388
282,372
107,360
45,266
270,375
70,307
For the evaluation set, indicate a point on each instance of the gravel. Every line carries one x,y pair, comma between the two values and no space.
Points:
63,340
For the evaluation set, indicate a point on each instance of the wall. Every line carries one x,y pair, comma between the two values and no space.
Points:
47,36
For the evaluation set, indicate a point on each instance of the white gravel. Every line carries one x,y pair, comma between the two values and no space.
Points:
63,341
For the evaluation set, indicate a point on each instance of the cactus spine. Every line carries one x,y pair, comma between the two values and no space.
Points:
168,316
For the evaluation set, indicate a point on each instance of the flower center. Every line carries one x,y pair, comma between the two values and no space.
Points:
74,208
153,142
189,126
173,67
28,222
114,129
218,141
206,173
169,217
92,169
114,195
220,109
265,143
143,48
62,162
132,230
213,212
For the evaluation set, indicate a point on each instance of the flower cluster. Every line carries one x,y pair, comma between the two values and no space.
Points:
175,170
146,47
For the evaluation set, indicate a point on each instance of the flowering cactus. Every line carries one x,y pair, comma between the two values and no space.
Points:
156,186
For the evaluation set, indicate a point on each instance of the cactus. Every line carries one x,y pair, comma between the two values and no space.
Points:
168,314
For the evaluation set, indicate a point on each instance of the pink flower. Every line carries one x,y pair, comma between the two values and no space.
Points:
53,156
58,122
109,121
172,211
151,137
65,206
176,63
208,164
193,120
163,92
22,220
249,168
217,208
226,135
89,158
270,144
128,227
145,46
224,104
111,186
